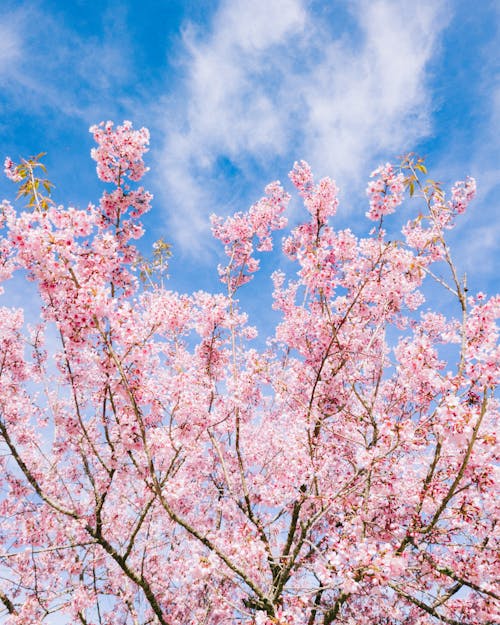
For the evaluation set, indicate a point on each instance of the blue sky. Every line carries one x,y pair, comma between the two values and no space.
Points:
235,91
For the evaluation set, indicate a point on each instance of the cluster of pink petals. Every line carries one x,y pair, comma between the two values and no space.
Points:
237,234
114,205
462,193
120,151
386,192
10,170
321,199
483,349
426,240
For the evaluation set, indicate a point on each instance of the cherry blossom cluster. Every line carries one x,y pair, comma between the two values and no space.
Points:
426,240
385,192
462,193
237,234
119,152
321,199
425,233
10,170
312,244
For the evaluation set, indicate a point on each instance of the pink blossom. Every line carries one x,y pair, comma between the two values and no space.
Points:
321,199
120,151
462,193
385,192
10,170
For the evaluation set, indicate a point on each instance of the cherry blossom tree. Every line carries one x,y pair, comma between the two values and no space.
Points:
158,467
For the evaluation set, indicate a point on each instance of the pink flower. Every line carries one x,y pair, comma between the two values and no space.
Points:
462,193
10,170
386,192
120,151
321,199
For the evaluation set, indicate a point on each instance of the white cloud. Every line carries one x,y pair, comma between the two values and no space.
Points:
10,50
271,78
231,104
372,99
47,66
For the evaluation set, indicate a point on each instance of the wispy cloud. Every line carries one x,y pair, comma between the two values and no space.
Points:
48,67
227,105
10,49
271,78
372,98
